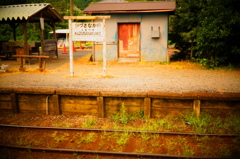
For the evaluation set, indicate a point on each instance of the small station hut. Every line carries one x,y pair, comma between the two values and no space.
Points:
137,31
21,14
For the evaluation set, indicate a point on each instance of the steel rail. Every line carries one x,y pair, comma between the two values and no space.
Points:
113,130
108,152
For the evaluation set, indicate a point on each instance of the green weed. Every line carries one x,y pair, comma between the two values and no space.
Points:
171,145
122,116
187,151
202,138
145,136
59,139
200,124
140,114
37,143
123,139
225,151
19,142
89,122
89,138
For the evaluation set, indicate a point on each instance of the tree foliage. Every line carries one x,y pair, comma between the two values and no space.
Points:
62,6
210,28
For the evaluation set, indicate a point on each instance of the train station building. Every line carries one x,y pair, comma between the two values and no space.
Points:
136,31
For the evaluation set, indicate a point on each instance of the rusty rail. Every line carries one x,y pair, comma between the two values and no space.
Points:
114,130
132,154
108,152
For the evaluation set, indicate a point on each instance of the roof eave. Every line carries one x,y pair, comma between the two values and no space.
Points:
131,11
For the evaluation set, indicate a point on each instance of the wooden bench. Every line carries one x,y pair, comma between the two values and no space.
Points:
2,57
31,56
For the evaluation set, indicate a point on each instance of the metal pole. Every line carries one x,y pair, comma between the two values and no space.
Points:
70,40
104,48
70,47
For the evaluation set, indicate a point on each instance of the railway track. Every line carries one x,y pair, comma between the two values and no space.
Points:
127,143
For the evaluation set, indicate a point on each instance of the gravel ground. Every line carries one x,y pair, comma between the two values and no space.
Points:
134,77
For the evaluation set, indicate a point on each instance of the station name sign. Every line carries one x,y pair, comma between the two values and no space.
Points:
87,31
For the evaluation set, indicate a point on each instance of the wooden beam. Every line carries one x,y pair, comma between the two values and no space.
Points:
14,103
52,24
56,104
41,38
31,56
196,107
147,107
86,17
26,50
14,26
101,108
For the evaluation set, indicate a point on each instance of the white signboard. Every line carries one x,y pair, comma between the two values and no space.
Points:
87,31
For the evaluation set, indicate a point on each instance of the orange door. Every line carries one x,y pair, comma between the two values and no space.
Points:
129,40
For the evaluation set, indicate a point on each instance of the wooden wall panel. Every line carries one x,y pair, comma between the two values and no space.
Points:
132,105
5,101
171,103
171,107
210,104
79,105
33,102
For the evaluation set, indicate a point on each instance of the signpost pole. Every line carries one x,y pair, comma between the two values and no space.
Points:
104,48
70,47
70,22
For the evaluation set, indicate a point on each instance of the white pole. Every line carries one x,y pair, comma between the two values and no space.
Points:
104,48
70,47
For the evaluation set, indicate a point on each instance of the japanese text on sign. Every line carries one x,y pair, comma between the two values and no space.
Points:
87,31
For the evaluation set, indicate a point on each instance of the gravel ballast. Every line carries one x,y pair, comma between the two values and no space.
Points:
134,77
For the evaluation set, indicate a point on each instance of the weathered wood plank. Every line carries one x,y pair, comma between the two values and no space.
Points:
56,105
196,107
78,100
126,101
31,56
101,107
77,92
172,112
5,105
165,95
32,98
209,104
171,103
111,110
14,104
83,109
147,107
33,91
6,90
5,97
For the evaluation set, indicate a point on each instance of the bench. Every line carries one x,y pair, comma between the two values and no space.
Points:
2,57
31,56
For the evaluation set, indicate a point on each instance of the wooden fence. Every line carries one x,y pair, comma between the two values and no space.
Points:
105,103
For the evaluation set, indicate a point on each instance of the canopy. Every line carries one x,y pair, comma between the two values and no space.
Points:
29,12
